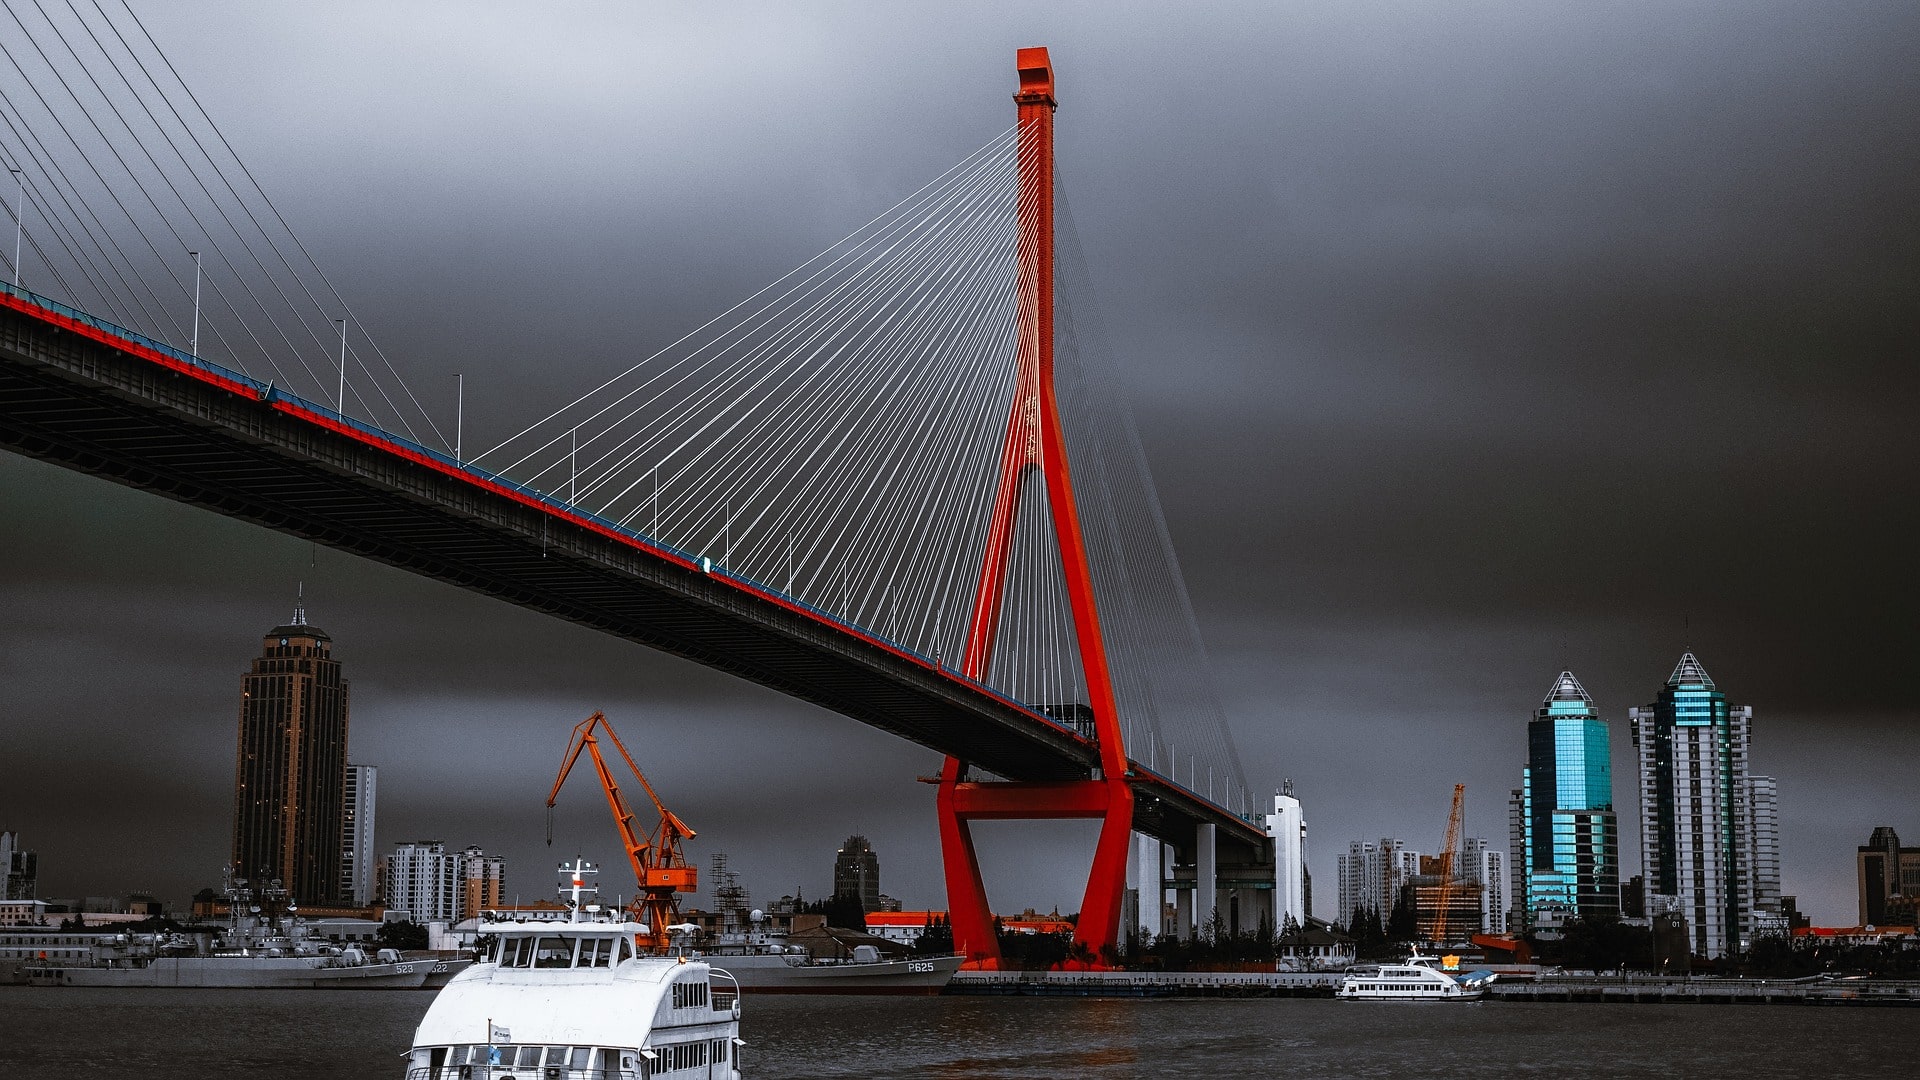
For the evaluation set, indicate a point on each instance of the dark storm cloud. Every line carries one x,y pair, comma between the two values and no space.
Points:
1467,342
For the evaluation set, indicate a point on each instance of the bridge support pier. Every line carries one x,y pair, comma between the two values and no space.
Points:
1206,878
1145,915
962,801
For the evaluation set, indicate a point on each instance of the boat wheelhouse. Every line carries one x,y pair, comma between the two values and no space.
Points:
577,1001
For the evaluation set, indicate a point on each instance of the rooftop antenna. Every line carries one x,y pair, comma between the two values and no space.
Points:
300,605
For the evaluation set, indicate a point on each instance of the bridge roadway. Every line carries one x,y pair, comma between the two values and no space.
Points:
82,393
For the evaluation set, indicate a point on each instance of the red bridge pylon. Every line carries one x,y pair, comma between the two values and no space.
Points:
1034,444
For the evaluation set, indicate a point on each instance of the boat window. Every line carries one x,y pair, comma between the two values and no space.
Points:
596,952
553,952
581,1056
529,1057
556,1055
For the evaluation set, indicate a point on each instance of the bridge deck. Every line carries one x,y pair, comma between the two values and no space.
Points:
102,400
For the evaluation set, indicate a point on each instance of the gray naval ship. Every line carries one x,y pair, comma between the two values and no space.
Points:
265,946
769,963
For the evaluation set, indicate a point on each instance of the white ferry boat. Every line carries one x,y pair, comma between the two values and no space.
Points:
574,1000
1419,978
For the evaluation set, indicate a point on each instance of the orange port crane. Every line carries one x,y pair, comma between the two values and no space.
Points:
1446,864
659,867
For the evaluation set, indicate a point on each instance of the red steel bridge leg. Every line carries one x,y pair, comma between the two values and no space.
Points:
1035,444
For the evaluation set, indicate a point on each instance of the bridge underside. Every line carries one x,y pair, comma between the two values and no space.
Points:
69,397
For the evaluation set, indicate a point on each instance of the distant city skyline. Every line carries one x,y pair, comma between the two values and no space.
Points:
1463,347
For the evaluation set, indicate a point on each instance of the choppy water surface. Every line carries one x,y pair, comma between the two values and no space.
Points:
359,1035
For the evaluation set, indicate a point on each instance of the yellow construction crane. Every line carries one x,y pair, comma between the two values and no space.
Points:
659,867
1446,864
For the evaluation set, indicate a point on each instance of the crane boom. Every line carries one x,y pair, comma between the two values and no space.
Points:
659,866
1446,864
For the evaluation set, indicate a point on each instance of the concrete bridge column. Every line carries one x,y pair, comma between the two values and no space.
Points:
1206,876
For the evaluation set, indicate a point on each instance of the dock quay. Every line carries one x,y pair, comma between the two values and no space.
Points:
1564,989
1658,990
1207,984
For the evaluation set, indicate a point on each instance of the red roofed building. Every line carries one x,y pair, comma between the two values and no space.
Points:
906,927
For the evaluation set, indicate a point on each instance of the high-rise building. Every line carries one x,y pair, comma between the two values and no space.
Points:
483,882
425,880
1709,838
1373,874
356,835
1287,826
19,870
1889,878
1770,918
1475,902
1566,836
1485,865
290,774
1463,902
856,872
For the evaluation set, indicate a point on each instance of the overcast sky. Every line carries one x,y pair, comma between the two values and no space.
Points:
1468,342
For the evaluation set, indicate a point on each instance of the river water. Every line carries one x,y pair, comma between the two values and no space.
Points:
360,1035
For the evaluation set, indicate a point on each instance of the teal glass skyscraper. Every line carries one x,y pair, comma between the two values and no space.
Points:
1709,828
1566,836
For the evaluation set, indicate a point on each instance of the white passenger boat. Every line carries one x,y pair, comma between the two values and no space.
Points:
1419,978
574,1001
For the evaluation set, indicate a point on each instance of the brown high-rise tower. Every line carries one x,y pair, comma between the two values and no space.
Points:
291,768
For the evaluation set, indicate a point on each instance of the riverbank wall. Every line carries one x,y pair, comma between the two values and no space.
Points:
1652,990
1563,989
1209,984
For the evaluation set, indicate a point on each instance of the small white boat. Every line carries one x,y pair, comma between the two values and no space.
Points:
1418,978
575,1001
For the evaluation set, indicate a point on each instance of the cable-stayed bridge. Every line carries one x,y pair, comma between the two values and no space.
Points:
893,482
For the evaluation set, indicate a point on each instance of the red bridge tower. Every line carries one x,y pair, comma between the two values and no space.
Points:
1034,445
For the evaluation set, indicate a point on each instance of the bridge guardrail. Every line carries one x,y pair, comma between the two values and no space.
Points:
271,392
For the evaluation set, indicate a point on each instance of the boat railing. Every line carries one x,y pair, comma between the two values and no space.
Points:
521,1073
724,992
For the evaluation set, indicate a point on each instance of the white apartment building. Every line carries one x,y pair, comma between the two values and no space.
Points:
424,880
1486,866
1372,874
356,835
